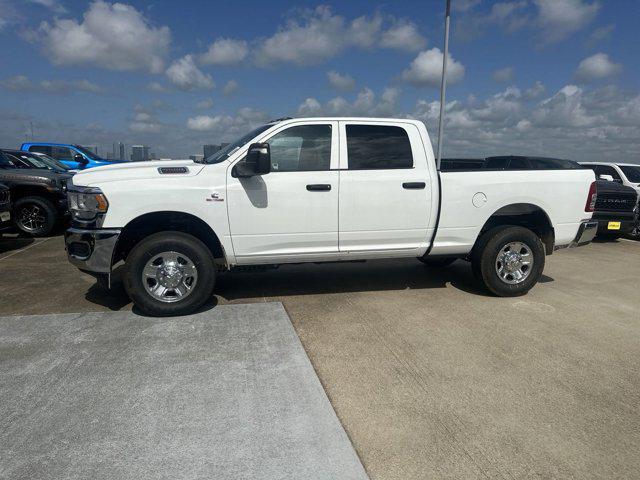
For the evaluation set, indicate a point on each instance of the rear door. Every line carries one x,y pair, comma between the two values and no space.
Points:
385,190
293,210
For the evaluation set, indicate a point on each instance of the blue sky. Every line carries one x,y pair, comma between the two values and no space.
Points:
546,77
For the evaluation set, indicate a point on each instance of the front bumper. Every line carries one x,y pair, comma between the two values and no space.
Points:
92,250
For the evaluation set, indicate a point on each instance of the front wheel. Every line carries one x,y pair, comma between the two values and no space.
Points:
35,216
509,260
169,273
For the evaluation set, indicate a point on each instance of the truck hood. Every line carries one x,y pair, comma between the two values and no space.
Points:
135,171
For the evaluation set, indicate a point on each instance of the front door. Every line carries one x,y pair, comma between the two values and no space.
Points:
385,188
293,210
66,155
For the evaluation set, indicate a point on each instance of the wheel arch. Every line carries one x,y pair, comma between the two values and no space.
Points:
164,221
525,215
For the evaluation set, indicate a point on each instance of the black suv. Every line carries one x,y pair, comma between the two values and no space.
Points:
39,195
5,206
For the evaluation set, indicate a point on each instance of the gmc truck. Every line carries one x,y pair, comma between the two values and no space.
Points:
318,190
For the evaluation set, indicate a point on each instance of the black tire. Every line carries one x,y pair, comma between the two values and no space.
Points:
436,262
485,255
35,216
635,233
181,243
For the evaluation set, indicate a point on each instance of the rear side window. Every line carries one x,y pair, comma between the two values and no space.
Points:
378,147
40,149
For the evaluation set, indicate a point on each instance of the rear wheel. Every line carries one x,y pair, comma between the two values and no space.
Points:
169,273
35,216
509,260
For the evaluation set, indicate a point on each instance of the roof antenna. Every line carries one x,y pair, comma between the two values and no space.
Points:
443,83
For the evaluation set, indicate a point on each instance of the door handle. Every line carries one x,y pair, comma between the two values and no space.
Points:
414,185
319,187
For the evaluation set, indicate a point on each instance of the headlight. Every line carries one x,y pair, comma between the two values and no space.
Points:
87,203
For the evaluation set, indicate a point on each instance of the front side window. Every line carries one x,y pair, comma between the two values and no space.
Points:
62,153
302,148
378,147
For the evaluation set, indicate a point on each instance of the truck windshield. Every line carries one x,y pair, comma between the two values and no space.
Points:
87,153
632,173
224,153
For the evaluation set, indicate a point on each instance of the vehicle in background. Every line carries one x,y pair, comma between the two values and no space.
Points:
5,206
627,174
616,209
52,161
318,190
21,159
38,196
75,157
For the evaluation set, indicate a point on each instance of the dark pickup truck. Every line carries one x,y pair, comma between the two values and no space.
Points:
39,197
616,209
5,206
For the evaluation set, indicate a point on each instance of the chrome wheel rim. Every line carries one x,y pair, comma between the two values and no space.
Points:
170,277
32,218
514,263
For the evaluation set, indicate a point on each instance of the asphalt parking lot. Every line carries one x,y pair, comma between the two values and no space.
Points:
431,377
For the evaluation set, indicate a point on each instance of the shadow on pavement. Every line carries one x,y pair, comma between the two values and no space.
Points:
312,279
11,243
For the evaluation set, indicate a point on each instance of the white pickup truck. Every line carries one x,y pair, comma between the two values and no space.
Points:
316,190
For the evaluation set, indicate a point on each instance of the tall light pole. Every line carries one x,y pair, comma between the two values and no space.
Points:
443,83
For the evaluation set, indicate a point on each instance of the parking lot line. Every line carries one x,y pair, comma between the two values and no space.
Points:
25,248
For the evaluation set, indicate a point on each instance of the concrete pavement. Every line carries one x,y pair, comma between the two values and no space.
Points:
431,377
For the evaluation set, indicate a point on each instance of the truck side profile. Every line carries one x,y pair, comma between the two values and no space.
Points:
315,190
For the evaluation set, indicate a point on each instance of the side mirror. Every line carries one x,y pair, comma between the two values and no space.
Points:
80,159
608,178
257,161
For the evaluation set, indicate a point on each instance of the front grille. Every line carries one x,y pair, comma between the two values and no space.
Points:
4,196
616,202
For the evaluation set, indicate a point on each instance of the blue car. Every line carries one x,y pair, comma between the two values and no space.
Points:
75,157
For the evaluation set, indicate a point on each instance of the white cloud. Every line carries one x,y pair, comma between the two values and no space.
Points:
366,104
52,5
205,104
403,35
185,75
245,119
21,83
503,75
341,82
225,51
600,35
564,109
157,87
230,87
511,16
426,69
561,18
535,91
464,5
113,36
317,35
597,67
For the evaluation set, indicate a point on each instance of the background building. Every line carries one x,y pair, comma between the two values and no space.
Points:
139,153
121,150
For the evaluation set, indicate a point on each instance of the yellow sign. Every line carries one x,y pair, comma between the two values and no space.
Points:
614,226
